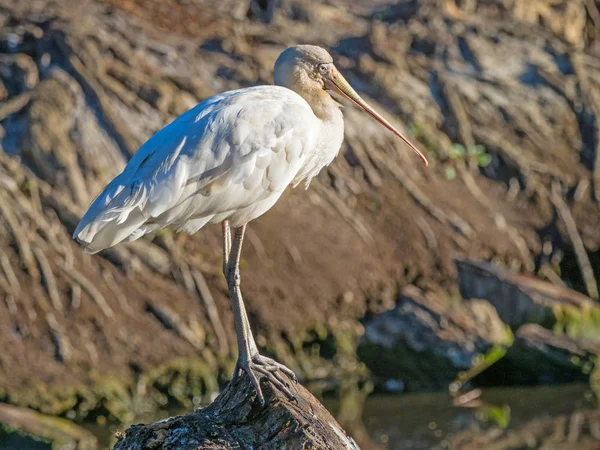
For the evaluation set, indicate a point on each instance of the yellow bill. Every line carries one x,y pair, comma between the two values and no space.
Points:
337,83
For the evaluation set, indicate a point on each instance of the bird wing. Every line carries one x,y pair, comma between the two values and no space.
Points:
229,151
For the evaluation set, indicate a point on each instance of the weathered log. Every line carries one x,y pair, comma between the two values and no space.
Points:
542,355
519,299
237,420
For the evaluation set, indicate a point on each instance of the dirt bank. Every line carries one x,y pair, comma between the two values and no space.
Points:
502,96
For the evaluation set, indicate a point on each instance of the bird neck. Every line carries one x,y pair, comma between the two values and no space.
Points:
322,104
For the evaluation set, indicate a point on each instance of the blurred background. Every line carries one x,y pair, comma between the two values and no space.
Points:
447,307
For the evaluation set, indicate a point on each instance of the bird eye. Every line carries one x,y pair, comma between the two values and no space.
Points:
323,68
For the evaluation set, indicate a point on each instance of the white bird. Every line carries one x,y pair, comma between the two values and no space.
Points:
227,161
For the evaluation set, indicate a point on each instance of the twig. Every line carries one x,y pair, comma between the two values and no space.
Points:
484,201
75,296
421,198
126,142
427,232
468,399
453,10
212,311
593,12
353,220
188,279
20,239
63,348
11,305
576,423
371,172
464,124
594,100
551,276
582,257
10,274
89,287
14,105
113,285
171,320
257,244
346,172
581,190
517,239
48,278
294,253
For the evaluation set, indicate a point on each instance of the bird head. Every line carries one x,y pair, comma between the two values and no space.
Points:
309,67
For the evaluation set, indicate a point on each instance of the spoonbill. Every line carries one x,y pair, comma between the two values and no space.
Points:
228,160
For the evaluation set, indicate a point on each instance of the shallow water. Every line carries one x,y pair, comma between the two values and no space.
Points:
424,420
418,420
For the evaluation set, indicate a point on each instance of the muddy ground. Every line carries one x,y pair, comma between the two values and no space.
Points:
502,96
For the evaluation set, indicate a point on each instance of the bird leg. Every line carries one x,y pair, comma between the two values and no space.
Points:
226,253
250,360
226,244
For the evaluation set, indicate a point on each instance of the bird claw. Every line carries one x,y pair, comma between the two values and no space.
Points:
259,367
274,366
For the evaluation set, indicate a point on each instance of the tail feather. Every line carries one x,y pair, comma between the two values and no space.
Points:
113,216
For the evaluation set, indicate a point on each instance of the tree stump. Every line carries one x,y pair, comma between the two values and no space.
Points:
236,420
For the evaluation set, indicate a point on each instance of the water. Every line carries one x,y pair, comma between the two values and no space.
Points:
15,441
427,420
418,420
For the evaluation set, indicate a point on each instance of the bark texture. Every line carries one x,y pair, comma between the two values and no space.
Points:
236,420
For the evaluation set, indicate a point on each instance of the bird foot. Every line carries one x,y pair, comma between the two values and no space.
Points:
258,367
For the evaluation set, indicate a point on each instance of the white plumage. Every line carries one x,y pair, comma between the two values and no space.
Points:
229,158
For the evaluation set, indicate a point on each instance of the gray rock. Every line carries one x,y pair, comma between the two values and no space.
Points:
427,340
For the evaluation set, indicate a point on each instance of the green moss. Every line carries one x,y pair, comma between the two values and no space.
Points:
189,382
184,381
577,322
595,380
498,415
60,432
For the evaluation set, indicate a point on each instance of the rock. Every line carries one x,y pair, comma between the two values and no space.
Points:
236,420
519,299
427,341
555,327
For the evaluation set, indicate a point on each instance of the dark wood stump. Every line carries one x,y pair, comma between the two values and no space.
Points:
236,420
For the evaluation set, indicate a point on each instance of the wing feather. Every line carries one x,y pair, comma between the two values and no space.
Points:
219,156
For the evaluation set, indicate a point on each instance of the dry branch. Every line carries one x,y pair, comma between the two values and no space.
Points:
14,105
173,321
49,279
212,311
20,237
583,259
89,287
